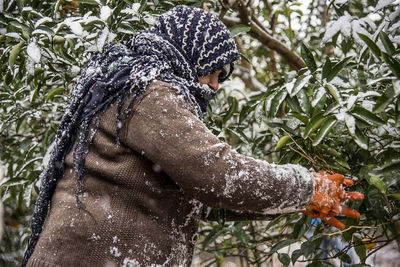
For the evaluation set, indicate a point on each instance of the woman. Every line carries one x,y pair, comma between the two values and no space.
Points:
133,163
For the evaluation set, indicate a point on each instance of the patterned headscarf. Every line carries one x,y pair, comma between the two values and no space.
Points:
185,44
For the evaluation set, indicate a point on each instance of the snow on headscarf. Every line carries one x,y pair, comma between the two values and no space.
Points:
185,44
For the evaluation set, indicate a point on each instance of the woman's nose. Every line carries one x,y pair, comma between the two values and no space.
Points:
213,84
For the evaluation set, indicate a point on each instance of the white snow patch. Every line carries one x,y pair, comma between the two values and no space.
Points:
115,252
350,101
43,20
350,123
149,20
75,27
105,13
396,87
383,3
340,2
75,70
130,263
156,168
320,93
339,82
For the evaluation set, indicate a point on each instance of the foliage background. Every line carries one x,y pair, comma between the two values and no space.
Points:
317,86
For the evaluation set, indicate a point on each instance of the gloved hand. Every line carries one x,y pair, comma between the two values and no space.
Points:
328,195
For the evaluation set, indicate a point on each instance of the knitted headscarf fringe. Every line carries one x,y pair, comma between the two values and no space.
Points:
185,44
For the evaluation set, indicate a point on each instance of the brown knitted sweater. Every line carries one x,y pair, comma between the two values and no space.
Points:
143,199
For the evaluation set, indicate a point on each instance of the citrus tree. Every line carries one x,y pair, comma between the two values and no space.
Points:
320,88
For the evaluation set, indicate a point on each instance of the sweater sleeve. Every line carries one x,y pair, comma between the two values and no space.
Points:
165,131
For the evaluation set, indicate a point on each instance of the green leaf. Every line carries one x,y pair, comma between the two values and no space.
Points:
281,244
53,92
302,118
295,255
334,92
378,183
233,107
293,103
389,47
8,78
384,100
367,116
301,226
337,68
324,130
327,68
220,216
276,103
14,53
342,162
308,58
360,250
320,105
345,258
331,108
394,166
396,195
240,234
346,45
304,101
282,142
314,123
28,195
329,150
377,202
89,2
397,114
143,4
238,29
307,248
284,258
58,39
371,44
393,63
282,126
13,182
246,110
300,82
214,234
360,139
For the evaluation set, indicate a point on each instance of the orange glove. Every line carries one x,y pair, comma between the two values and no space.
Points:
328,195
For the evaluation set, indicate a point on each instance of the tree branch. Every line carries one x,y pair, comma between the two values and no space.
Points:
266,39
252,83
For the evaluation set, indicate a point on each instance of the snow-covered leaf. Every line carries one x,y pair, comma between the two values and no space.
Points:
300,82
308,58
314,124
33,51
324,130
383,3
238,29
360,139
335,93
367,116
75,27
105,13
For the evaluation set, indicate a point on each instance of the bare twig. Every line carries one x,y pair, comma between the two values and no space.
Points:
353,227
